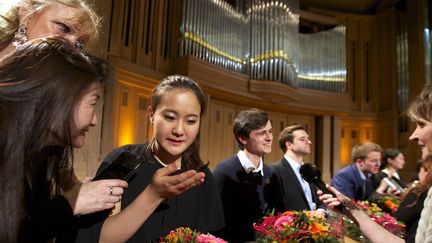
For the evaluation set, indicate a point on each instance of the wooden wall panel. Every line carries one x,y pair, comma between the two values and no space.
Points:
221,142
142,120
122,39
279,122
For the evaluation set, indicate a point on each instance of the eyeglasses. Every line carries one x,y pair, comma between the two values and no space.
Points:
303,140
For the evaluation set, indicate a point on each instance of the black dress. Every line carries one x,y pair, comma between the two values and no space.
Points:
199,208
54,219
377,178
411,215
47,217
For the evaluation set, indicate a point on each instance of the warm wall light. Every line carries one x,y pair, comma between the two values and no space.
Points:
126,119
126,133
345,152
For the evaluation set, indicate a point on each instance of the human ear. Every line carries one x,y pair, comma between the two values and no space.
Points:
359,162
288,144
242,140
390,161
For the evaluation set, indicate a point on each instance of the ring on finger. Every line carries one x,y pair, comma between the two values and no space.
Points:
111,190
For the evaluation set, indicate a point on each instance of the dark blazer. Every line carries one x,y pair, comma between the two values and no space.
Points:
349,182
287,191
242,197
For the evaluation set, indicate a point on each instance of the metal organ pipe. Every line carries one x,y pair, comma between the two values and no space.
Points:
260,38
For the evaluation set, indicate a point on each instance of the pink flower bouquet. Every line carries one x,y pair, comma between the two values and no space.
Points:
376,214
294,226
186,235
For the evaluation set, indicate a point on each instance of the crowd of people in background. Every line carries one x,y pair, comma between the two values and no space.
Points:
49,87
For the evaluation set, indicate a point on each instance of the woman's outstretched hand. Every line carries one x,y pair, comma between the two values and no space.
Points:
338,199
164,185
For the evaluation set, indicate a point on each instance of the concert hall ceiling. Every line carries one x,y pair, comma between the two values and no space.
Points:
349,6
318,15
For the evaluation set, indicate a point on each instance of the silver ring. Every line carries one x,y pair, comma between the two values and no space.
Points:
111,190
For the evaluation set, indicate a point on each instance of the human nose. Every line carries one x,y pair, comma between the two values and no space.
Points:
414,136
94,120
178,128
269,136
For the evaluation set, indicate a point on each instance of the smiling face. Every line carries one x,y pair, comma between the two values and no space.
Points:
56,20
422,135
85,115
259,141
176,123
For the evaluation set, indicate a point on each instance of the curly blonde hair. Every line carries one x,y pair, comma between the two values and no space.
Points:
87,18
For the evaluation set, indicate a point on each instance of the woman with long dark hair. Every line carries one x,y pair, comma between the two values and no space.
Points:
48,93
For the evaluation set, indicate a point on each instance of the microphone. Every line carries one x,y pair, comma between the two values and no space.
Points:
312,174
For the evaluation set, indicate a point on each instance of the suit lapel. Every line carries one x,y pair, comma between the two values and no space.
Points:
292,180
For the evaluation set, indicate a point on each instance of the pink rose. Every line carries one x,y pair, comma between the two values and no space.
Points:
283,222
208,238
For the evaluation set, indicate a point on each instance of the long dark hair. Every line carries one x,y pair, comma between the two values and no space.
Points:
190,158
41,83
421,187
390,153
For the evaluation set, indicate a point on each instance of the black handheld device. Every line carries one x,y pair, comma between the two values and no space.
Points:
123,167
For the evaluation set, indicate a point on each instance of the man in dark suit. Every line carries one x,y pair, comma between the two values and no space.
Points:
243,178
291,191
354,181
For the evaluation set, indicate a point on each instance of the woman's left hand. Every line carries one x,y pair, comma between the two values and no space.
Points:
92,196
164,185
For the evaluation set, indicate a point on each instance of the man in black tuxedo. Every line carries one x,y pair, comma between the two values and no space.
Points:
289,190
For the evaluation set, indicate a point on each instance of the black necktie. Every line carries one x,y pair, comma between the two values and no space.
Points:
364,186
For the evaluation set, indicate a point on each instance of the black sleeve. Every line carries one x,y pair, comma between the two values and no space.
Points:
219,177
319,203
273,194
214,214
377,178
53,219
411,205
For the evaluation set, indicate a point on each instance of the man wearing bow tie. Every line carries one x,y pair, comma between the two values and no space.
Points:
292,192
243,178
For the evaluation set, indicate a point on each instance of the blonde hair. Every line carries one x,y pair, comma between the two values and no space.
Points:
360,151
87,18
421,107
